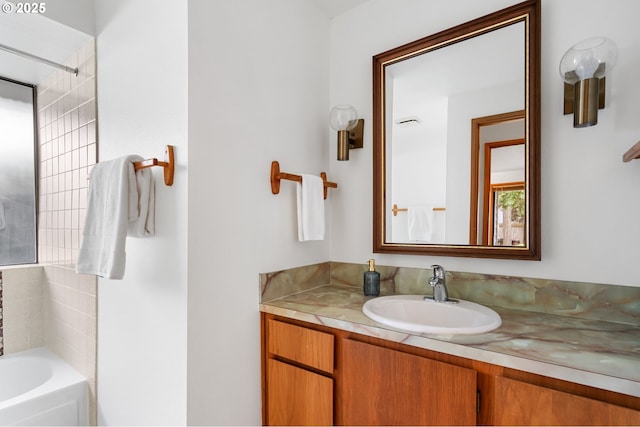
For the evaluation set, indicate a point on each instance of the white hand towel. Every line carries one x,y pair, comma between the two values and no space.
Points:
420,221
113,205
310,193
142,222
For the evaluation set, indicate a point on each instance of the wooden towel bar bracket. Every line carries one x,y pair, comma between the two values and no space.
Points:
276,176
169,165
396,209
632,153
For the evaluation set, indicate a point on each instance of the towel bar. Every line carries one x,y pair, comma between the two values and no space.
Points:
169,165
276,176
396,209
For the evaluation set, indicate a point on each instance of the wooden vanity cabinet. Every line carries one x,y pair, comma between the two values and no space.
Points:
298,396
298,364
315,375
519,403
381,386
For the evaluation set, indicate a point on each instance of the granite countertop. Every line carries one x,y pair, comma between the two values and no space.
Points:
591,352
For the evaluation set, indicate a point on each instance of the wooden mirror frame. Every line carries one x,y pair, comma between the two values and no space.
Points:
527,12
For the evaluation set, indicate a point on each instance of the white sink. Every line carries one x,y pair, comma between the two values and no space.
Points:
415,314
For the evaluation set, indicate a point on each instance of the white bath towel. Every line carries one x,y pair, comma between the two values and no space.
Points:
420,222
310,193
115,208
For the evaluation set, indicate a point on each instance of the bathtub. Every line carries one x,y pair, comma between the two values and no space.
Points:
39,388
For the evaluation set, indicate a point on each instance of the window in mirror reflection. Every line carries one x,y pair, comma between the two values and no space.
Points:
17,173
498,149
507,213
504,193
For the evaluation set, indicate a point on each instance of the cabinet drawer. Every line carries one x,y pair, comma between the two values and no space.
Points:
306,346
297,397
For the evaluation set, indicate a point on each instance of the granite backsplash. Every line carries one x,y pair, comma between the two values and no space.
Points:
611,303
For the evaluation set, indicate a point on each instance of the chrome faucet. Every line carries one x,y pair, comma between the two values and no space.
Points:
439,284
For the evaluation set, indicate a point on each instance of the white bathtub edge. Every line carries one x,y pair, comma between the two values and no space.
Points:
57,390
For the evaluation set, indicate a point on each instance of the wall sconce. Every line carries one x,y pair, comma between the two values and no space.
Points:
584,68
344,119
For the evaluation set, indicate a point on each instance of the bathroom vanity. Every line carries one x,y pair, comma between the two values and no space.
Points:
324,362
566,353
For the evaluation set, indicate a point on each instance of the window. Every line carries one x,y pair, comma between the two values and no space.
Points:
508,213
17,173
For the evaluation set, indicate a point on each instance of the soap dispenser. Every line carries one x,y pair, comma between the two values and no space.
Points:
371,280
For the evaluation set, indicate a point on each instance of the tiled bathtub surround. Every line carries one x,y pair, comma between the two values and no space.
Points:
22,308
50,306
584,300
1,324
70,318
67,133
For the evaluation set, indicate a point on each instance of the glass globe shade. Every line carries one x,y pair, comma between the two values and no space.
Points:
582,61
343,117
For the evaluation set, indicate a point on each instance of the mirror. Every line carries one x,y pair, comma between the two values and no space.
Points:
456,122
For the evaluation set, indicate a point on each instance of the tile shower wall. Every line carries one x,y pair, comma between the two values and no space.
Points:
70,313
53,305
67,136
1,323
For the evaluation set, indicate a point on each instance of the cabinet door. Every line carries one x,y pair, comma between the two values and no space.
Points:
519,403
297,397
379,386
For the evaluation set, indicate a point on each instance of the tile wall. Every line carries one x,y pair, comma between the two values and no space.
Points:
23,308
49,304
68,138
70,317
1,328
67,135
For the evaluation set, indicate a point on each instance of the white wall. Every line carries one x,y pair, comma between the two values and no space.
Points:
258,91
78,14
142,106
590,198
255,94
419,174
